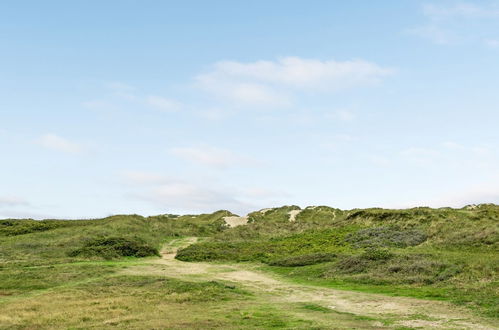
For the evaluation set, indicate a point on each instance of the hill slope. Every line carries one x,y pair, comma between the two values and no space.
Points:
444,254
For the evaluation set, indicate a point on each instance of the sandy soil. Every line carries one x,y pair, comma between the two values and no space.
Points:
236,221
293,214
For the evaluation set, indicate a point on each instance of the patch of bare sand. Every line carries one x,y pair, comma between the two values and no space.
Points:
235,221
293,214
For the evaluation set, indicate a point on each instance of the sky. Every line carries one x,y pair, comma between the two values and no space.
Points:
153,107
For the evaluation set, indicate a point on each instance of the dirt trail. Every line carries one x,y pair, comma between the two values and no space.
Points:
401,311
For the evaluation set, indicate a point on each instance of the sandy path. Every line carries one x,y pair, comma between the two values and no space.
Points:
402,311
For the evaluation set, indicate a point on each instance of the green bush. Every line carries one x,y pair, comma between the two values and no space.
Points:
376,254
375,267
115,247
386,237
21,227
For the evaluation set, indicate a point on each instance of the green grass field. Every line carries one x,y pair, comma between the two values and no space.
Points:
114,272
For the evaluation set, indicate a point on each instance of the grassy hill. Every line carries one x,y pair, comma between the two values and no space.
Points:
444,254
449,254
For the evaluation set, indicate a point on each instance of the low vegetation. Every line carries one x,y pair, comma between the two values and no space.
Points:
115,247
446,254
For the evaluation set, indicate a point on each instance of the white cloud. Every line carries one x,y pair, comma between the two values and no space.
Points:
192,196
273,82
211,156
55,142
163,103
460,10
12,201
186,196
449,24
305,73
242,93
20,214
183,195
466,195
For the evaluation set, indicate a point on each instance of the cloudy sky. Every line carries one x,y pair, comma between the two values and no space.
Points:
192,106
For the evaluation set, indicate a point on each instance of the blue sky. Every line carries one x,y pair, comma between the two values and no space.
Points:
156,107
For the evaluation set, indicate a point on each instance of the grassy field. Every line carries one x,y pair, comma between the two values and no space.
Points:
113,272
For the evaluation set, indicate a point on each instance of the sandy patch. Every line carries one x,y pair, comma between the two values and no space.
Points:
236,221
293,214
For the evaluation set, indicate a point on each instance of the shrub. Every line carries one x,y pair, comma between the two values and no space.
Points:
115,247
386,237
376,267
21,227
349,265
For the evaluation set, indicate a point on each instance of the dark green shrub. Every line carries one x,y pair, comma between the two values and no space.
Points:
349,265
21,227
379,268
386,237
376,254
115,247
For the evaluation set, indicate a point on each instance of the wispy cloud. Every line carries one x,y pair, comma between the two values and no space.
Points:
190,195
449,23
182,195
273,82
193,196
58,143
12,201
462,196
439,12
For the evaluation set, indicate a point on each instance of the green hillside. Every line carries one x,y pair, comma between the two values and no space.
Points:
444,253
438,254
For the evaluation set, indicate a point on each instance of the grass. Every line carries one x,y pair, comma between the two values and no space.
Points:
70,274
447,254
